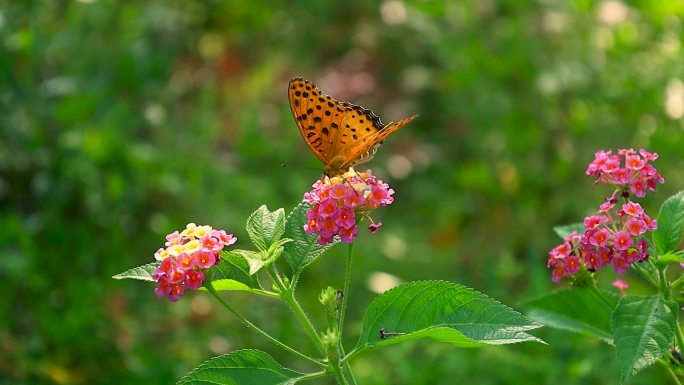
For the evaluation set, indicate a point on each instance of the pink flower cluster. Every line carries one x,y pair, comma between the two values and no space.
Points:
186,257
637,173
613,235
338,201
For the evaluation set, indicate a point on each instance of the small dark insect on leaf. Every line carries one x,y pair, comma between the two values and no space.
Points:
384,334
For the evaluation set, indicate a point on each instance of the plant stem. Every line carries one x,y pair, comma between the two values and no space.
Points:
677,282
664,289
645,275
348,371
288,296
337,371
351,354
672,373
345,290
678,336
311,376
603,299
210,289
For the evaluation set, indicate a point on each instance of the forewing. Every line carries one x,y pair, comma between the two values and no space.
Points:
307,110
339,133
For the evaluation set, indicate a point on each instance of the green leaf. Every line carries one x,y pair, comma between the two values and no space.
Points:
565,230
253,259
668,235
143,273
579,310
265,227
242,367
643,327
304,248
668,258
233,273
444,312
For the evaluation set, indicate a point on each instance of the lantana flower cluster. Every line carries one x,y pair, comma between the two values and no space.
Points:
340,200
614,234
637,173
188,254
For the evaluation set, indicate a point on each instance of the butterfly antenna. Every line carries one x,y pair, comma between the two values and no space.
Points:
299,166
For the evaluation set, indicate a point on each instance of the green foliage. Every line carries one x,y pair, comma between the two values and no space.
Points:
668,235
143,273
564,231
305,248
123,121
265,228
242,367
444,312
579,310
233,273
643,328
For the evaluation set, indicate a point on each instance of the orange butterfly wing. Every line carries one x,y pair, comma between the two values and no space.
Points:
340,134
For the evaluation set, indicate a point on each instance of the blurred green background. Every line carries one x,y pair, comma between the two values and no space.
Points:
121,121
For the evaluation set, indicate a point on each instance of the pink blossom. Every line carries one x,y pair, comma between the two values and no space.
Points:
621,285
186,261
558,273
340,191
346,218
327,208
173,239
652,224
620,263
592,221
636,226
634,162
632,209
621,176
600,237
338,201
355,200
572,265
176,292
626,151
607,206
611,165
194,279
187,256
638,188
348,235
649,156
622,240
374,227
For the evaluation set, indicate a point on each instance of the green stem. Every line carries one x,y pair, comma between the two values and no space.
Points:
266,293
311,376
677,282
669,370
351,354
645,275
601,297
348,372
664,289
345,290
244,320
337,371
288,296
679,337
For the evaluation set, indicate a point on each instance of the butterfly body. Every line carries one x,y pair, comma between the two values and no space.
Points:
340,134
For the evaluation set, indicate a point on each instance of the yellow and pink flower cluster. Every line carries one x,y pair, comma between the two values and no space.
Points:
338,200
186,257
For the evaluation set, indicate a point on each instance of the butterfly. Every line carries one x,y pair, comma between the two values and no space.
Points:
340,134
